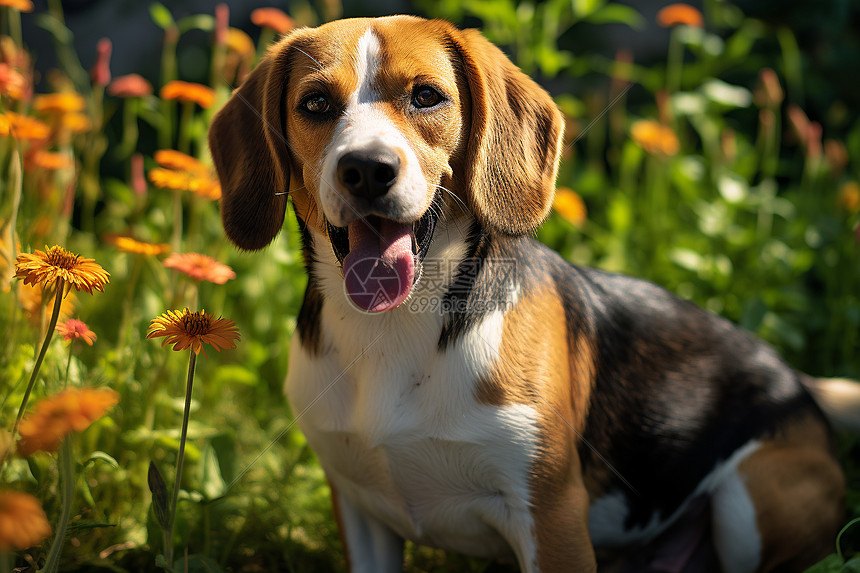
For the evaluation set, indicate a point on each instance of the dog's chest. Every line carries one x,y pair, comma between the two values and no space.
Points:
398,429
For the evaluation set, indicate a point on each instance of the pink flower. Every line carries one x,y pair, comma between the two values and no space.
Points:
100,74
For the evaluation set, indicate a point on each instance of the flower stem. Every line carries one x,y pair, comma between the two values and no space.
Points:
68,480
58,301
675,62
168,545
184,143
68,366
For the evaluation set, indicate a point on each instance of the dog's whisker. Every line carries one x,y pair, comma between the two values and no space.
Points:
313,59
455,198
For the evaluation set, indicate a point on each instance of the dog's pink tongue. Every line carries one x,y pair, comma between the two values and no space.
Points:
379,269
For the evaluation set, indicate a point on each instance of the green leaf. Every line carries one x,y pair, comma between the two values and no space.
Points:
726,94
686,258
158,488
235,374
754,312
617,14
160,561
161,15
57,29
205,22
107,458
583,8
212,485
830,564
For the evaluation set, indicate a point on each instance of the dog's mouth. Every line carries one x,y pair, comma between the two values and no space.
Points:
381,259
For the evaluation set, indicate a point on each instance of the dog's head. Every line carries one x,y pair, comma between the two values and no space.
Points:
375,127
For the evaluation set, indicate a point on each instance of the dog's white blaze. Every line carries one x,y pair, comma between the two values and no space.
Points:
736,535
365,126
606,515
396,425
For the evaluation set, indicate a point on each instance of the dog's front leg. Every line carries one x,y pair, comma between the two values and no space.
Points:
370,546
561,540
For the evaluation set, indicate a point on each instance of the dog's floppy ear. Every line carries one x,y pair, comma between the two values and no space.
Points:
514,141
247,140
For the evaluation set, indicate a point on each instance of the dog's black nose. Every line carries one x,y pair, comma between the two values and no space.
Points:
368,173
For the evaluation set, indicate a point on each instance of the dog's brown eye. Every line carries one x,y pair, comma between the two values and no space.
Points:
425,96
315,104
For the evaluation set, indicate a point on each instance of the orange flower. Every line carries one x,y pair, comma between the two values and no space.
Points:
56,262
186,329
201,185
129,245
55,417
849,196
32,297
184,173
20,5
655,137
131,85
200,267
12,83
188,92
272,18
23,522
75,123
48,160
569,205
73,329
172,159
22,127
675,14
59,103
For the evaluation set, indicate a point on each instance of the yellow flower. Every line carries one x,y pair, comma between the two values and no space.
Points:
200,267
240,42
203,96
849,196
655,137
74,329
569,205
129,245
57,263
22,127
71,410
20,5
59,103
23,522
675,14
75,123
186,329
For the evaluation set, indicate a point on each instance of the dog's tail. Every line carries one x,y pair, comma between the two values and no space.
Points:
839,398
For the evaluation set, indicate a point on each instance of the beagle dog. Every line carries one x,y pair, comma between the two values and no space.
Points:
462,385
